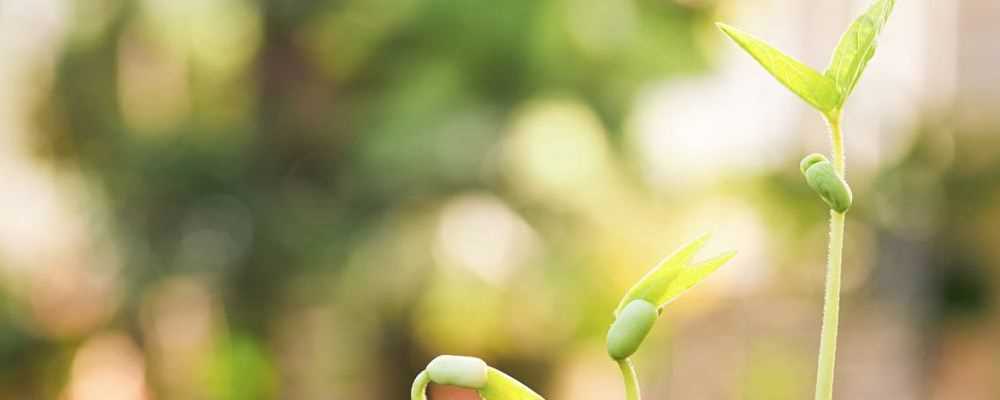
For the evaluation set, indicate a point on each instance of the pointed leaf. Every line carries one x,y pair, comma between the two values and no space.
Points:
691,276
857,47
815,88
500,386
672,276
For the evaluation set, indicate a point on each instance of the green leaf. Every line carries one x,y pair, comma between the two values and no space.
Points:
815,88
500,386
673,276
857,47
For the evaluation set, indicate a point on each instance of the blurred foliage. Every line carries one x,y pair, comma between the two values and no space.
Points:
263,158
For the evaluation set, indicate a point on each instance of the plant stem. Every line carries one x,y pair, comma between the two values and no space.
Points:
419,389
836,143
630,379
831,300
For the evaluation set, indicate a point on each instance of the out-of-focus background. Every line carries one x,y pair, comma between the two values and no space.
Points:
235,199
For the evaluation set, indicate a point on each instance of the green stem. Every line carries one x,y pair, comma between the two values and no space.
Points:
419,389
837,144
831,301
631,381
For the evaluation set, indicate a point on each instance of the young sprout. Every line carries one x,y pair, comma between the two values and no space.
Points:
470,373
642,304
826,92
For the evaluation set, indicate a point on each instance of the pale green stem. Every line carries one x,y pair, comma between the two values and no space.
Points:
419,389
831,300
837,144
630,379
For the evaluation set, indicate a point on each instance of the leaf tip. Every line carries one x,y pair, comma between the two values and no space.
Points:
725,28
716,261
702,238
684,254
727,255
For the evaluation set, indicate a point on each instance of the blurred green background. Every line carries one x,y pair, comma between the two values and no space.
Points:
278,199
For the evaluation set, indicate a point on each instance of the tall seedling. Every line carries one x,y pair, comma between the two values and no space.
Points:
826,92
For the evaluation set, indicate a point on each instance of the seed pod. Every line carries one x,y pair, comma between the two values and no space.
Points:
467,372
826,182
630,328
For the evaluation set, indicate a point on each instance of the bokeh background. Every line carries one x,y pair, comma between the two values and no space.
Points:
235,199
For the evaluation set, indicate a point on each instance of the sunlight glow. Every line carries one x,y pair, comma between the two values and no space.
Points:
480,233
557,148
108,367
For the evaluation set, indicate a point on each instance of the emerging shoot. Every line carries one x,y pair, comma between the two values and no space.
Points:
642,304
470,373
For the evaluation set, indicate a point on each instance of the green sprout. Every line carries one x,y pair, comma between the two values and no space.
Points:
826,92
634,318
470,373
644,302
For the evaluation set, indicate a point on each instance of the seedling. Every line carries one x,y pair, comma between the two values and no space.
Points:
644,302
470,373
634,318
826,92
